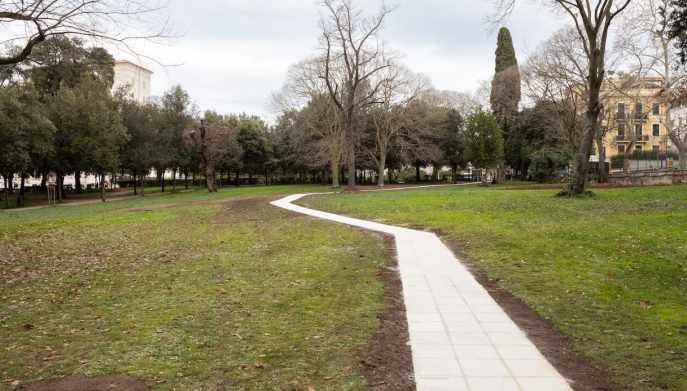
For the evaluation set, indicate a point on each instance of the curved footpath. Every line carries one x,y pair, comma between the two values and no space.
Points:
460,337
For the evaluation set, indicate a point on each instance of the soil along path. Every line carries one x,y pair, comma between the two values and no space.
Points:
460,338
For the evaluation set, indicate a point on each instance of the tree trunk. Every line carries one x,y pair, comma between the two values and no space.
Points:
135,185
77,182
20,193
603,173
418,177
682,154
210,179
174,180
60,188
186,180
10,183
237,180
579,185
380,171
336,170
102,187
595,77
351,157
162,181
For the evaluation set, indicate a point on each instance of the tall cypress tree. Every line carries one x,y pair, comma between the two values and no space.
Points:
506,94
505,88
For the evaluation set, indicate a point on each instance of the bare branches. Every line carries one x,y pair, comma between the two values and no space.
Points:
592,20
353,55
116,21
350,42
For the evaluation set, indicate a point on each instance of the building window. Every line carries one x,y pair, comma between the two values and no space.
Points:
621,148
638,130
656,148
639,109
656,109
656,130
621,110
621,131
638,147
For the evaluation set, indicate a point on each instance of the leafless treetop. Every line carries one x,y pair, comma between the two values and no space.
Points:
27,23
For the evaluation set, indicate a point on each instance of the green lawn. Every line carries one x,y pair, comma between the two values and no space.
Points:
190,291
610,272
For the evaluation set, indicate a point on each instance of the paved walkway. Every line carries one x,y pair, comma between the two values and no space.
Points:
460,337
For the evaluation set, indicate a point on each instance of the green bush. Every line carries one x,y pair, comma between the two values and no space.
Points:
548,164
407,175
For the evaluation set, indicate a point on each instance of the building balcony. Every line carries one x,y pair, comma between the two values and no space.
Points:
625,139
634,117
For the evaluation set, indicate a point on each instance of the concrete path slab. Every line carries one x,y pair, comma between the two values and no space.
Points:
460,338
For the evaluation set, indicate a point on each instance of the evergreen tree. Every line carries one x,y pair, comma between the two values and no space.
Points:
63,61
175,117
505,88
138,152
90,132
255,153
676,14
452,143
483,140
506,91
25,134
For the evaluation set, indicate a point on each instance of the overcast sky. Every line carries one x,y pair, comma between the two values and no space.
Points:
233,54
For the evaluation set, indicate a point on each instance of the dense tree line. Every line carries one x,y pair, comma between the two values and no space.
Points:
60,116
351,113
360,115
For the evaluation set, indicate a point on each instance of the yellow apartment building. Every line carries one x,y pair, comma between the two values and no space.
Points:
634,117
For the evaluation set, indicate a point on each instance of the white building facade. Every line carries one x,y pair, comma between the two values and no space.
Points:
135,78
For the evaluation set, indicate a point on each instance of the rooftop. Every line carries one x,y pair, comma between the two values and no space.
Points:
127,62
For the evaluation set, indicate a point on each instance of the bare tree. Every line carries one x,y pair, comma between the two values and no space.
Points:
118,21
353,53
390,115
592,20
554,75
305,91
647,43
321,119
214,142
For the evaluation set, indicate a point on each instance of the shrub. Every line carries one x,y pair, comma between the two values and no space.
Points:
548,164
